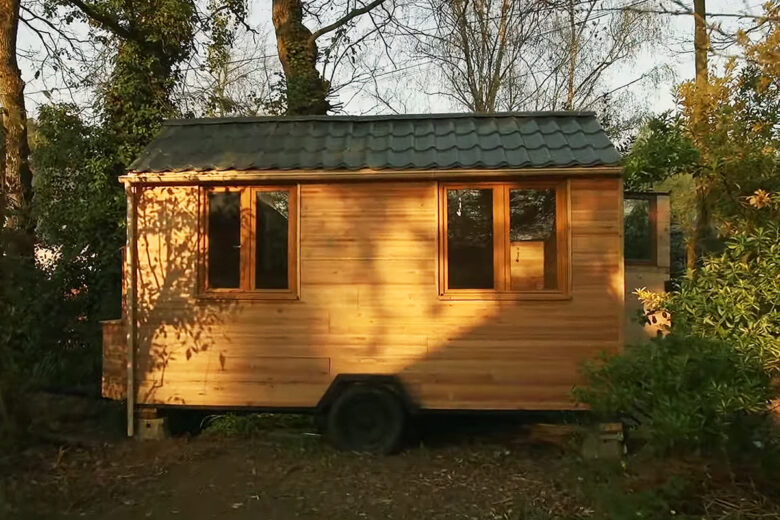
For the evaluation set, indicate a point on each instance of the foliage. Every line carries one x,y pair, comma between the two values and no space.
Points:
736,295
721,145
684,392
735,125
250,425
613,501
37,346
661,150
137,96
79,207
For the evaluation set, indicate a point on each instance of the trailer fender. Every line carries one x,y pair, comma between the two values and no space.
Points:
343,381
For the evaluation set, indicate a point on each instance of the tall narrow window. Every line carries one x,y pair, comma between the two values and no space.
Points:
638,232
503,239
533,264
224,235
250,248
272,216
470,239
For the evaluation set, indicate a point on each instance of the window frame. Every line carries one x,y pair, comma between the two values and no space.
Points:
653,218
248,213
501,248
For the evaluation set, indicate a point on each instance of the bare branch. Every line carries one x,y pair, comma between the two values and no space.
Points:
345,19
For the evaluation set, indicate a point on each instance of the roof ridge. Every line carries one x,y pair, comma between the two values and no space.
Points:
368,118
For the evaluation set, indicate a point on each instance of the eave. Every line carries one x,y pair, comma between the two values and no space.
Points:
263,176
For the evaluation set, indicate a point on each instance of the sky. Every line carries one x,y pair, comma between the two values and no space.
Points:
676,54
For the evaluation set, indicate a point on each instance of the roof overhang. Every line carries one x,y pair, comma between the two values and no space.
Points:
267,176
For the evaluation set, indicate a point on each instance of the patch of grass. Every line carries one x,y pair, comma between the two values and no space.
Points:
613,501
251,425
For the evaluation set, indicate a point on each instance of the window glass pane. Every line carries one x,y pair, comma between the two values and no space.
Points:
470,239
638,242
273,210
224,240
533,264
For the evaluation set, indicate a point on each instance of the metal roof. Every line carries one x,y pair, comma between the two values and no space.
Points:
404,142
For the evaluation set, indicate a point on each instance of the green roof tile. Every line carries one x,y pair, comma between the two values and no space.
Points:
426,141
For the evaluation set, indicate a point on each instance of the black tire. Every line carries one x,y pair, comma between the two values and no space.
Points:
367,418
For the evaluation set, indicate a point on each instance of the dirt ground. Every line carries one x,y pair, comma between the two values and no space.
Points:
284,475
454,470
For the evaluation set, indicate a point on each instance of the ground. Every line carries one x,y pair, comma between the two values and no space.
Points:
456,469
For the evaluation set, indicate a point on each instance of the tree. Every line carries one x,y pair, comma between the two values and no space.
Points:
584,41
721,145
481,48
661,150
152,40
239,77
306,89
733,120
17,176
531,54
701,50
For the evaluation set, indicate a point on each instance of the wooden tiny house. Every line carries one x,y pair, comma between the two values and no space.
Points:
459,262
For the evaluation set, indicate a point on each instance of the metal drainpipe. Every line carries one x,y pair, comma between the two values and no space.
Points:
131,306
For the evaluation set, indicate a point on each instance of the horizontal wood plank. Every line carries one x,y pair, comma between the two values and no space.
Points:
369,303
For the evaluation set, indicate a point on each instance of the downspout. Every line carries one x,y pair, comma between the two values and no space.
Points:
132,269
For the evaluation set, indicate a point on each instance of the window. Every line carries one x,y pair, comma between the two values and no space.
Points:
249,246
639,228
504,240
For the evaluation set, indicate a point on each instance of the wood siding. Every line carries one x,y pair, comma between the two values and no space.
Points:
368,303
114,380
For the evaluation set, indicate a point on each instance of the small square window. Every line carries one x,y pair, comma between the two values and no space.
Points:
249,248
507,240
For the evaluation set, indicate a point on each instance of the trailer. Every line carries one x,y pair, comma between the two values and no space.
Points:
365,268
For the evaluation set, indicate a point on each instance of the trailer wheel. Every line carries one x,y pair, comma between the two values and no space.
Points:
367,418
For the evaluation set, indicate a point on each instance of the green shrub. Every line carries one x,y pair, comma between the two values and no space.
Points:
682,392
735,296
250,425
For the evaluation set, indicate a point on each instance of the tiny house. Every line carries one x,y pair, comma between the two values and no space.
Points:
365,267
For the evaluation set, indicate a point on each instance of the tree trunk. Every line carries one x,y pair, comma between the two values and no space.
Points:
700,41
2,181
573,54
701,48
307,91
18,176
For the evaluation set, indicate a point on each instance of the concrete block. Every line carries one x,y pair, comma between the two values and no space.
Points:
606,441
151,429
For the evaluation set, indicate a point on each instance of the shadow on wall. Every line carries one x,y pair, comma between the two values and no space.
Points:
173,324
369,304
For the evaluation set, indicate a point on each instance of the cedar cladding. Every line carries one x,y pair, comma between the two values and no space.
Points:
368,302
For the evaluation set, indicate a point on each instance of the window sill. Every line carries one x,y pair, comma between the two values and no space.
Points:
509,296
262,295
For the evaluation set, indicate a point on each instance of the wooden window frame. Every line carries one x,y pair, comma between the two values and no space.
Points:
248,214
501,247
653,217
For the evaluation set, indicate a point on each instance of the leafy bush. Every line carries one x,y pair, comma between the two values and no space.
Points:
28,322
250,425
735,296
683,392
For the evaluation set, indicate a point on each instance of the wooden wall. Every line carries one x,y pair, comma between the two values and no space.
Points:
369,304
114,380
